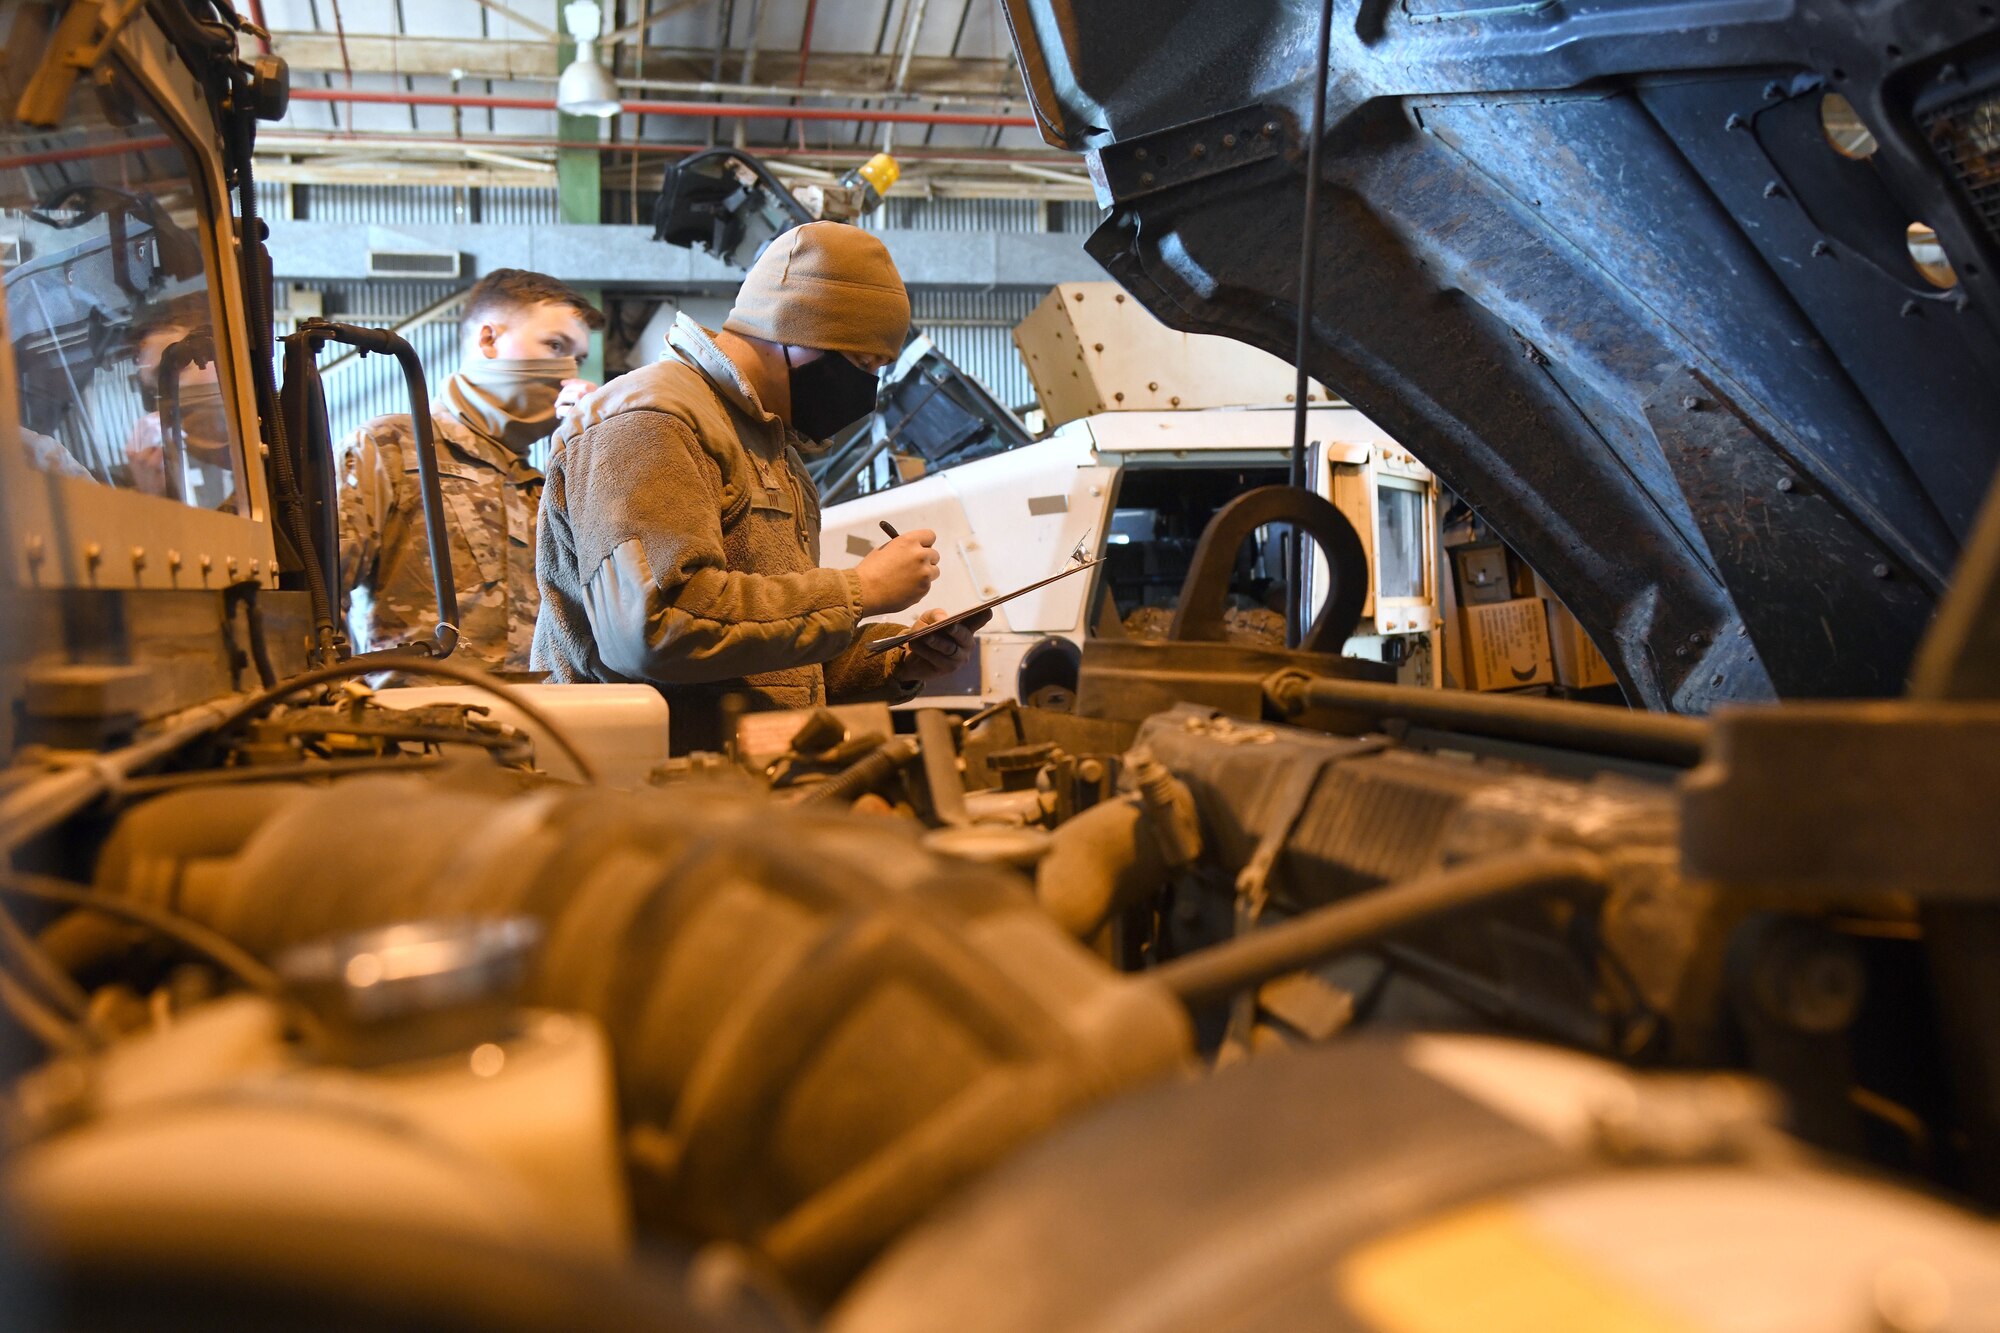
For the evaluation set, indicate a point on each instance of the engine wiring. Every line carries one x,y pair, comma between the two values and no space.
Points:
190,935
454,671
43,975
39,1020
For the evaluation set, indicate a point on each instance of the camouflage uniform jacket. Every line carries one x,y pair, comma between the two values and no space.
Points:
491,496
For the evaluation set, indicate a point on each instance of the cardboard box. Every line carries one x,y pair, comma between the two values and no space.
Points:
1508,644
1579,666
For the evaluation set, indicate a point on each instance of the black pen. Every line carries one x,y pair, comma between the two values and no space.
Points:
893,534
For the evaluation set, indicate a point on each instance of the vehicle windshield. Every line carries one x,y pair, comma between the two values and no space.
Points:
108,295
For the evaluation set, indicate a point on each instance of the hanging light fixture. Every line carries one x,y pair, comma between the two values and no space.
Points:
586,87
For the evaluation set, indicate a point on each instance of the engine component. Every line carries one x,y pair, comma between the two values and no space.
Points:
412,991
865,774
140,1272
1118,852
1295,818
621,729
820,1028
218,1119
1656,738
1478,1184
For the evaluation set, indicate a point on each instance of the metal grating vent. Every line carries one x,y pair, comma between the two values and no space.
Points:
1965,134
413,263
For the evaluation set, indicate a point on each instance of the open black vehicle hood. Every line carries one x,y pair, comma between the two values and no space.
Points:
1599,264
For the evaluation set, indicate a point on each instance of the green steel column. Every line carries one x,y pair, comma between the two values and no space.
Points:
580,193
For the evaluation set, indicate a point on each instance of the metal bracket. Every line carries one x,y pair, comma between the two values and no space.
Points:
1184,153
1199,613
87,29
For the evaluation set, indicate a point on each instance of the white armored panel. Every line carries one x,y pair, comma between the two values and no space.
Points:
1091,348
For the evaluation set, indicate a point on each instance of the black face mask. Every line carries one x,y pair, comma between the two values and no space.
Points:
828,395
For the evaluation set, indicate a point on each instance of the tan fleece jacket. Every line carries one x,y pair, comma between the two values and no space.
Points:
679,546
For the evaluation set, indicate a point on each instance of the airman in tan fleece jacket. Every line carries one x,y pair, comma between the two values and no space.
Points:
679,536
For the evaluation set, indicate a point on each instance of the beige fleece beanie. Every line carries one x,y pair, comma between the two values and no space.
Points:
826,285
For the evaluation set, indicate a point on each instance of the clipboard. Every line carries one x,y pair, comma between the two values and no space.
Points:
883,645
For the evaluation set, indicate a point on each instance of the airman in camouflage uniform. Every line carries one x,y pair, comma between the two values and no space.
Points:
523,333
491,496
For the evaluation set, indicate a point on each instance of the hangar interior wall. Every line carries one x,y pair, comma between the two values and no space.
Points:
971,326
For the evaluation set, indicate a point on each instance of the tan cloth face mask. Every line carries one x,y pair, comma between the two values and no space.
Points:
204,423
510,400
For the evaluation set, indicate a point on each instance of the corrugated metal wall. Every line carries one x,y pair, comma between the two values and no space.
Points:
975,329
372,386
1066,215
972,327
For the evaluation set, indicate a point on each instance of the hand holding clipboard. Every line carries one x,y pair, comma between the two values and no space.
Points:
984,608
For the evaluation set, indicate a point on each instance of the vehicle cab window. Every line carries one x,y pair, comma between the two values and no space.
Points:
108,301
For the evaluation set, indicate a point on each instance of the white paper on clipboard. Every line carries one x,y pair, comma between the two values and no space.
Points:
898,640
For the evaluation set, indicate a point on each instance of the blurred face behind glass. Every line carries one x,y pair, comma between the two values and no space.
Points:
146,359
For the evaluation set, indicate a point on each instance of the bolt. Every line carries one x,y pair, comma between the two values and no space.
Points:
1881,571
37,549
256,568
1786,483
1228,141
138,558
1681,650
1691,403
232,569
1145,178
1772,189
92,553
1138,155
1807,977
1821,249
207,562
174,561
1270,128
1735,122
1200,150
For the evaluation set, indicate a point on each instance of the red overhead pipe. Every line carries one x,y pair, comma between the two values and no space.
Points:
725,110
115,148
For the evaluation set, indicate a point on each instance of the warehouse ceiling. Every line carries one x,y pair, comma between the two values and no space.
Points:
462,92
